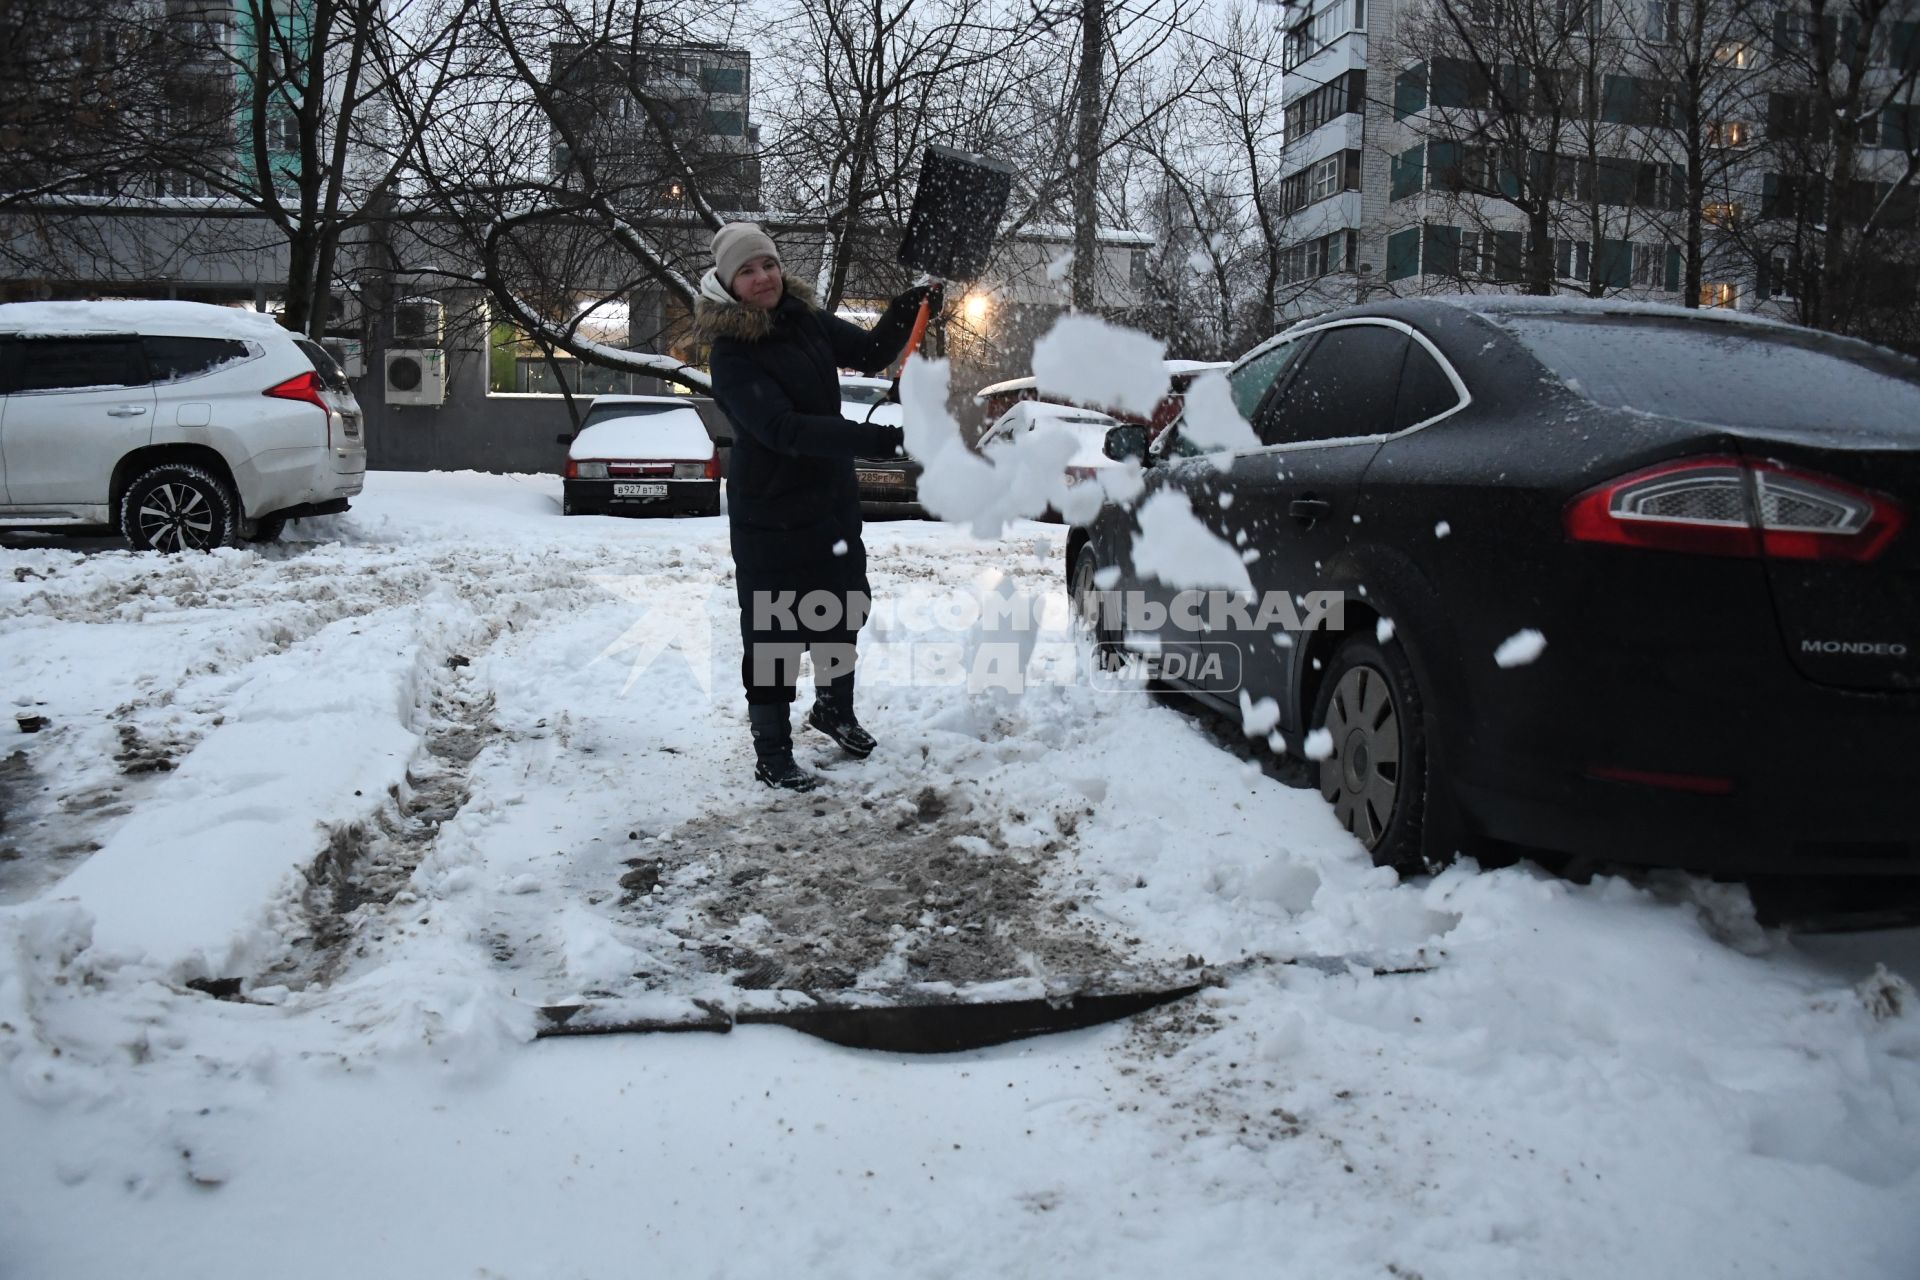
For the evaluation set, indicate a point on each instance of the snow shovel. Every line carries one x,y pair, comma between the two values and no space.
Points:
956,212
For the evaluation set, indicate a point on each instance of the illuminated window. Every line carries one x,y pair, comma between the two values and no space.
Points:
1718,293
1724,214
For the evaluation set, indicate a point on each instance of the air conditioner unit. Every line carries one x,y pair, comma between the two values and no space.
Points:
416,376
346,353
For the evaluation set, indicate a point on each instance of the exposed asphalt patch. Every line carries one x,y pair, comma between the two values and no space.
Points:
821,894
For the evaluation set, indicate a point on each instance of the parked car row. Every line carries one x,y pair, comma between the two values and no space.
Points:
1622,584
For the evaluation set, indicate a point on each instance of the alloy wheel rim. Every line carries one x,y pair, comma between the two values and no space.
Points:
177,517
1361,779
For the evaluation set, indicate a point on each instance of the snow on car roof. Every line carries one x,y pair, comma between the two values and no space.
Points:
181,319
602,401
1495,304
1175,368
677,435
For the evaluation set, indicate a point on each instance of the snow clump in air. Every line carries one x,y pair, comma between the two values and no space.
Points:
1093,363
1176,548
1520,648
1212,421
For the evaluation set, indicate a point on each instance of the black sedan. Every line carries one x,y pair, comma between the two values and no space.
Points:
1625,584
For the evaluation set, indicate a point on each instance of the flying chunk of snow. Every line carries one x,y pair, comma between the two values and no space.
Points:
1091,362
1383,631
1318,746
1211,420
840,547
1259,717
1176,548
1442,529
1520,648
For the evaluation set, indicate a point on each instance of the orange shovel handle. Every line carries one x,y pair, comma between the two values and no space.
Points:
919,332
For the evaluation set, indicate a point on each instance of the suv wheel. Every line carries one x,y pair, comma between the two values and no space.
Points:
179,506
1376,776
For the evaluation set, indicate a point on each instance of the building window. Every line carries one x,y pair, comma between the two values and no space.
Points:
1409,173
1311,259
1329,102
1660,20
1575,17
1403,254
1649,262
1459,83
1718,293
723,80
1723,214
1571,259
1734,54
1780,275
1324,178
283,132
1321,28
1728,133
1337,172
726,123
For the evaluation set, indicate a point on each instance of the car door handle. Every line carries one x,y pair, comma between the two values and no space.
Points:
127,411
1308,510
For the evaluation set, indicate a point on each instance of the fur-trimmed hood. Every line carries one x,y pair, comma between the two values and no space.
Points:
718,314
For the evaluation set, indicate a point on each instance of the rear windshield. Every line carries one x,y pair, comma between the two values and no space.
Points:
608,412
863,395
331,375
1725,374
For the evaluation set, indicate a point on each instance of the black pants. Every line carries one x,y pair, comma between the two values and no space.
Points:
792,606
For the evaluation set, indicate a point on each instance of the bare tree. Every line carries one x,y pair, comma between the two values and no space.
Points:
1840,195
860,95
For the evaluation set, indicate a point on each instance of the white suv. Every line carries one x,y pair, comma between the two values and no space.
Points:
186,426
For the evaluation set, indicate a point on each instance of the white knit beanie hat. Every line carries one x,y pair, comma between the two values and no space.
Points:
737,243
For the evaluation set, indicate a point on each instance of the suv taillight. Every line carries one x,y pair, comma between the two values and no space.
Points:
306,388
1723,506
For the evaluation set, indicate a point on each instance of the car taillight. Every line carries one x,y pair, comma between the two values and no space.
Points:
306,388
695,470
1723,506
1077,474
586,470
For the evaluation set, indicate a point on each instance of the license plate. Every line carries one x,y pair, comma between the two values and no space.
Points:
639,491
887,479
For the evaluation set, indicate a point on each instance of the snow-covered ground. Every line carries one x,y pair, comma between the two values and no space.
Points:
433,765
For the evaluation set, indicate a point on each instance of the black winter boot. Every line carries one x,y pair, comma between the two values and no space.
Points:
772,727
832,714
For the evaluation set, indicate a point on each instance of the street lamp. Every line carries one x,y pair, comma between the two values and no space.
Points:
975,309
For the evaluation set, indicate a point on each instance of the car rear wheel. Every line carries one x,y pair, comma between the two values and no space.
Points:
1376,775
179,506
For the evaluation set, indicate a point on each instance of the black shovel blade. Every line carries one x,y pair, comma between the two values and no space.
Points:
957,208
956,1027
939,1025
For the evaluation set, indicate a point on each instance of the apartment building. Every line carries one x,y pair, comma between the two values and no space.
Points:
701,93
1529,144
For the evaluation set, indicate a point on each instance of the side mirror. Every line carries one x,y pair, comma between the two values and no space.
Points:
1126,442
724,442
565,437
